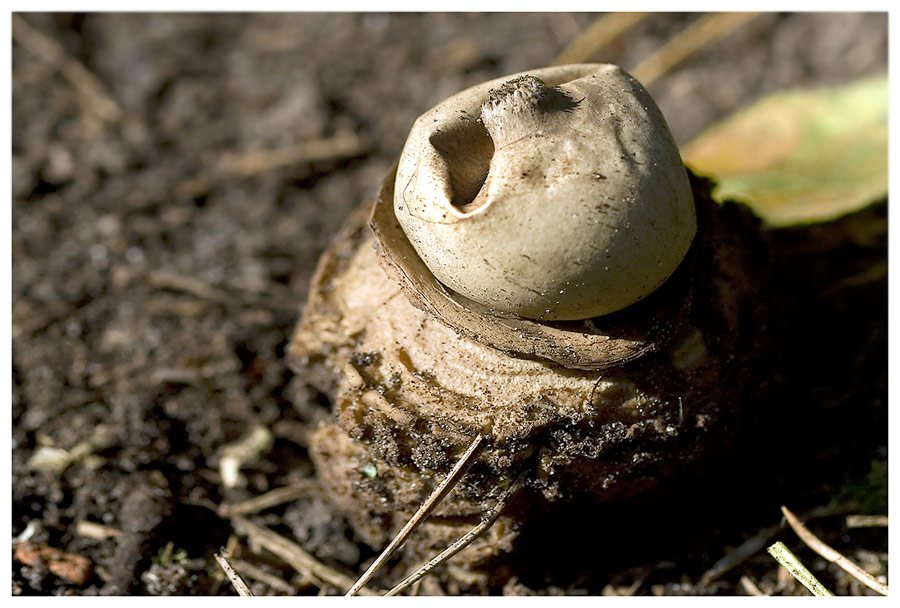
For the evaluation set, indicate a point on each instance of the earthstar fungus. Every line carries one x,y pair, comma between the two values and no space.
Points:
435,327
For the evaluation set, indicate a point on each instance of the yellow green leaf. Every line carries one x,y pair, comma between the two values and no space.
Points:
801,157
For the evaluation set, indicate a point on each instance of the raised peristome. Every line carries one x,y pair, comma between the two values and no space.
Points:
555,194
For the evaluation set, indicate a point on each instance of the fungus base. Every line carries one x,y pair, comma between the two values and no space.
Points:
409,393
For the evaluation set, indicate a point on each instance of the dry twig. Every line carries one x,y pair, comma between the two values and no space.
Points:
292,554
249,570
740,553
750,587
705,31
256,162
600,33
274,298
272,498
867,521
247,449
752,545
93,94
50,458
94,530
814,543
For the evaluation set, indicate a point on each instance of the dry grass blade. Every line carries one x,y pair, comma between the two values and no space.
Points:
250,571
793,565
94,530
272,498
813,542
867,521
181,282
751,546
737,555
629,591
273,298
462,542
300,560
705,31
342,145
256,162
94,96
430,503
750,587
600,33
247,449
236,581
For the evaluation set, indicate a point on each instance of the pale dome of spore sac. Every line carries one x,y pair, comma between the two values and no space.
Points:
558,194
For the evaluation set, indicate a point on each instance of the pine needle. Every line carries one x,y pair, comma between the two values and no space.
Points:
430,503
463,541
814,543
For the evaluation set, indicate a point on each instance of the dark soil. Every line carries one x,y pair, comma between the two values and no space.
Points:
156,284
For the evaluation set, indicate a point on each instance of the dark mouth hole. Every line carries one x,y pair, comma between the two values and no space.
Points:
467,149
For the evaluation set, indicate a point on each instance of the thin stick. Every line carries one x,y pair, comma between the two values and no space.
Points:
705,31
256,162
813,542
246,449
93,93
793,565
463,541
271,498
271,299
293,554
430,503
94,530
600,33
737,555
236,581
750,587
867,521
251,571
756,543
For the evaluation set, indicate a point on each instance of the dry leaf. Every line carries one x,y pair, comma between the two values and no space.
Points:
801,156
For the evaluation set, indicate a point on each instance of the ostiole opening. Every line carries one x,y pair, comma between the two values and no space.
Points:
468,146
467,150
